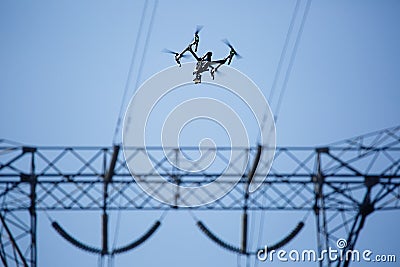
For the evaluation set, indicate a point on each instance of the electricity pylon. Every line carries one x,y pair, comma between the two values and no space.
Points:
342,184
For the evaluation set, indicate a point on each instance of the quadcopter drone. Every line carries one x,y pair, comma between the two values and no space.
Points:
204,63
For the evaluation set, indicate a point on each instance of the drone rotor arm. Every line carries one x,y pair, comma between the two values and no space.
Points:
221,61
196,42
230,59
194,54
215,69
196,37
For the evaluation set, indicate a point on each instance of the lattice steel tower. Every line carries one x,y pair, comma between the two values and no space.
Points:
341,184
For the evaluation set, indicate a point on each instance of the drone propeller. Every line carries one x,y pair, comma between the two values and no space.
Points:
225,41
215,70
172,52
196,37
198,29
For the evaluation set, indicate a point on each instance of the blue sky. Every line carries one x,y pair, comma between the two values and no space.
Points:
64,65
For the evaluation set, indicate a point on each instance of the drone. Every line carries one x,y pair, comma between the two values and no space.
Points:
204,63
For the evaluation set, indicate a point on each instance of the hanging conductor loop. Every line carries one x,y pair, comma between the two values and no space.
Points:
244,232
238,250
163,215
250,177
243,249
110,172
256,162
48,216
108,176
193,215
306,216
100,251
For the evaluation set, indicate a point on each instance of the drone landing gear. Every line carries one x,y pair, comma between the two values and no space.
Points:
212,72
178,61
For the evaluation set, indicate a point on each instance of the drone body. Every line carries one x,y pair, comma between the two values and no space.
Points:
204,63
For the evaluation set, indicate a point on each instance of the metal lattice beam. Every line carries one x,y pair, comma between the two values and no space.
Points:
342,183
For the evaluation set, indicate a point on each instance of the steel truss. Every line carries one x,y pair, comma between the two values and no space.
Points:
341,183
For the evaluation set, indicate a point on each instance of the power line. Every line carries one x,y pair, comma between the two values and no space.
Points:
130,72
292,58
284,50
284,86
117,129
69,187
280,63
146,44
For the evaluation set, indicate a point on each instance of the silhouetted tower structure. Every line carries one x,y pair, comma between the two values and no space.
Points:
342,184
